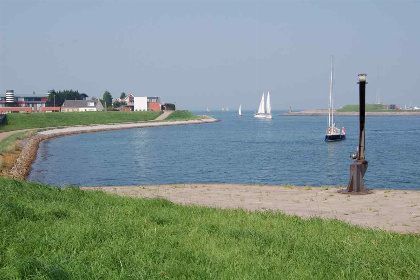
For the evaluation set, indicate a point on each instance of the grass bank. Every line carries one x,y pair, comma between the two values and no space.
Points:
52,233
42,120
182,116
368,108
10,149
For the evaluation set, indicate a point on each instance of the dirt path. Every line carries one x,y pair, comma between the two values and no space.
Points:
164,115
394,210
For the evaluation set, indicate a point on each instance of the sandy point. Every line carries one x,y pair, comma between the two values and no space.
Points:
393,210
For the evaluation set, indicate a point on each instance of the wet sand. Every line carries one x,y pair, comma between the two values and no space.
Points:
392,210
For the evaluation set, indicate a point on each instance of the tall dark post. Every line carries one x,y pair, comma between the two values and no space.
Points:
359,167
362,102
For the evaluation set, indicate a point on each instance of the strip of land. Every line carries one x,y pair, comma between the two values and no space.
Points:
393,210
322,112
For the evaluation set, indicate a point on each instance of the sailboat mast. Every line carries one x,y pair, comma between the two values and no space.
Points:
332,84
330,99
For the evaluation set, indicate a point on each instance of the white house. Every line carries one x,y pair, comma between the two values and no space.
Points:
82,106
140,103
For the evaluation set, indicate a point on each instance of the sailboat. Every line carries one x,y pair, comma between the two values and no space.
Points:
240,111
208,110
264,110
333,132
268,112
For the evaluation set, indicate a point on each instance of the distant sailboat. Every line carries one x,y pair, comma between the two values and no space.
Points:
208,110
333,132
264,110
268,115
240,111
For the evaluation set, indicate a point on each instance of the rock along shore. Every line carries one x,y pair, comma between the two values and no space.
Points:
22,165
325,113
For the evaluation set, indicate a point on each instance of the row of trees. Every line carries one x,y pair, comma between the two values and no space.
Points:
57,98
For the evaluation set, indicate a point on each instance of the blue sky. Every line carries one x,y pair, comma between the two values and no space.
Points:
214,54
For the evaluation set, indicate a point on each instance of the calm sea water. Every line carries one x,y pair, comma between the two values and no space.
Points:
284,150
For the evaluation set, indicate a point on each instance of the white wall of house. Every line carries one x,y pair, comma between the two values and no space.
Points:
84,109
140,103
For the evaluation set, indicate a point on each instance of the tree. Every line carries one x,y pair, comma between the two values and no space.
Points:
123,95
58,97
107,99
117,104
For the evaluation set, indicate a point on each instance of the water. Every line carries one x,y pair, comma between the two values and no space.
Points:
284,150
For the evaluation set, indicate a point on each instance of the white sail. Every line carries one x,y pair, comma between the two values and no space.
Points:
240,110
261,109
268,104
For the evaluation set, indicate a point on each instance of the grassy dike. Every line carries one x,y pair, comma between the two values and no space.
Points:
182,116
53,233
42,120
369,108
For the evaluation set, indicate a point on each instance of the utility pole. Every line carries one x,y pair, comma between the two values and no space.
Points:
359,167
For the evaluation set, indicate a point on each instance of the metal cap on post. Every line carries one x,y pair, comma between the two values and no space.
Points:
359,167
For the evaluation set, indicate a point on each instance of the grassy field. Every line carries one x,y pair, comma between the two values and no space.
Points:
182,115
368,108
41,120
52,233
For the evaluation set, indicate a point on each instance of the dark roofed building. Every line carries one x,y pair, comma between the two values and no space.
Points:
82,106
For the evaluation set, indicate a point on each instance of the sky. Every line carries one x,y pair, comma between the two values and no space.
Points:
214,54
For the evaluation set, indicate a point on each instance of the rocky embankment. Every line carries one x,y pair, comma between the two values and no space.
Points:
321,112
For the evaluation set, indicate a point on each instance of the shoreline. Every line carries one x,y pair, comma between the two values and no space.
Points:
391,210
22,166
322,112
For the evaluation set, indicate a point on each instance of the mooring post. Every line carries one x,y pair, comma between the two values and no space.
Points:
359,167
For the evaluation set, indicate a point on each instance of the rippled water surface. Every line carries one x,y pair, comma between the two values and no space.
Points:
284,150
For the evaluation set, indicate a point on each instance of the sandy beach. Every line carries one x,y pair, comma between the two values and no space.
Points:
392,210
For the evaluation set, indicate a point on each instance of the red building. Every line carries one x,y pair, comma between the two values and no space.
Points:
22,103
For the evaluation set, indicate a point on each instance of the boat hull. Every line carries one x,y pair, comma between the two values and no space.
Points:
263,116
335,137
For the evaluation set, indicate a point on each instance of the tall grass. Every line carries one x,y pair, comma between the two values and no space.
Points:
52,233
12,139
41,120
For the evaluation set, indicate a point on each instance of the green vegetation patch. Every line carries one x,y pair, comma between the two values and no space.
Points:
182,115
369,108
41,120
53,233
11,139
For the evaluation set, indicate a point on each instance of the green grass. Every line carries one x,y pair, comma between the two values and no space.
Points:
368,108
11,139
182,115
41,120
52,233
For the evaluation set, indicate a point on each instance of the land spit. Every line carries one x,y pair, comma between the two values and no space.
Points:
22,165
323,112
393,210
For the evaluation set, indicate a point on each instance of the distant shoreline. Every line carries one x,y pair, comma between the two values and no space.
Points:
322,112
